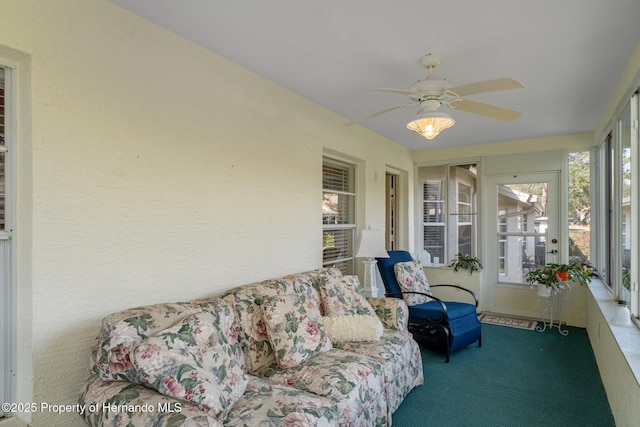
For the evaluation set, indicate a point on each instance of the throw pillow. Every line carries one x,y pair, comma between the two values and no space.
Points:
121,331
353,328
295,329
411,278
343,296
193,361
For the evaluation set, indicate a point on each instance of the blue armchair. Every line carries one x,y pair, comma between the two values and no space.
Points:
448,326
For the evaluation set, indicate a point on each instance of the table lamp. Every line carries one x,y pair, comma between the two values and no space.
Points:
370,245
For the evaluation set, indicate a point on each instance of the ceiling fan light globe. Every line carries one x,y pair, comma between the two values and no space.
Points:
431,124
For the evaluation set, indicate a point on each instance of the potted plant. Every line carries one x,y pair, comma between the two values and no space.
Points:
554,277
545,278
561,271
466,262
580,273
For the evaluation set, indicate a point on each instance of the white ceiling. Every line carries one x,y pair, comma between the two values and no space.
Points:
568,53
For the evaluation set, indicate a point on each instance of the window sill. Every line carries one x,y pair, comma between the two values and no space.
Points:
627,337
438,266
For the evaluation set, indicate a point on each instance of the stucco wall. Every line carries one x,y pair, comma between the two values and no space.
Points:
607,341
155,171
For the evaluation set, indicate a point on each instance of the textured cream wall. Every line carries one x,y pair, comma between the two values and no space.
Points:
623,390
160,172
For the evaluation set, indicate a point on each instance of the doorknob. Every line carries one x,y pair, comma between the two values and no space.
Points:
553,251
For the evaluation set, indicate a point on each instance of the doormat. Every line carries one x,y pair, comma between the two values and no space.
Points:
511,322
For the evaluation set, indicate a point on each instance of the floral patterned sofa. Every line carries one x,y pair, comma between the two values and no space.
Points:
303,350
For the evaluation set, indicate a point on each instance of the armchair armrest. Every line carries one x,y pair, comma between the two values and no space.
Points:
443,306
392,312
469,291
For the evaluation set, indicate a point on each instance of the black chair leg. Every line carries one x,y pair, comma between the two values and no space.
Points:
447,335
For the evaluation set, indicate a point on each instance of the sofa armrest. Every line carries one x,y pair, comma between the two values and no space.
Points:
393,312
116,403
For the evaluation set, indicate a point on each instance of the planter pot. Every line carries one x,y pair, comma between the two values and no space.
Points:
544,291
562,275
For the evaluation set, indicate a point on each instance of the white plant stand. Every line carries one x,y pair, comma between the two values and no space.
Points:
552,310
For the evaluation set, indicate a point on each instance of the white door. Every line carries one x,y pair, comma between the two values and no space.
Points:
522,231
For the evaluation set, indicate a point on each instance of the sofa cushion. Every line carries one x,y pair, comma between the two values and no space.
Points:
246,301
252,333
401,360
194,361
119,332
265,403
353,381
353,328
295,329
411,278
343,296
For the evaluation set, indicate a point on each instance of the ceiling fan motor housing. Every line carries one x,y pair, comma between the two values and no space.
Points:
430,87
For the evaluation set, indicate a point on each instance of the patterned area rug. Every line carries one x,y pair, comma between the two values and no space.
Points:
493,319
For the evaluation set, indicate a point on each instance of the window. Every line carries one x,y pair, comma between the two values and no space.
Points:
618,261
3,149
605,193
465,224
6,325
579,207
623,203
338,215
502,242
448,210
434,229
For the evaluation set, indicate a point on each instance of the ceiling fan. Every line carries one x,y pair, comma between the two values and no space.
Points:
431,92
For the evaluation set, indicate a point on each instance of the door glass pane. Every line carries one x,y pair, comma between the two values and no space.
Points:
522,230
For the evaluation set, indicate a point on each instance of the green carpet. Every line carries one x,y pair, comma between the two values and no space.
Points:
517,378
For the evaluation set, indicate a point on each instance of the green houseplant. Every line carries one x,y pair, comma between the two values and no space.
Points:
551,275
466,262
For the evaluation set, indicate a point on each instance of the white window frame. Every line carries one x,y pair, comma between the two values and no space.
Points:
609,232
345,256
450,202
470,213
7,284
635,205
441,226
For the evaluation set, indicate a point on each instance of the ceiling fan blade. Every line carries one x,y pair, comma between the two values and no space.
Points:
487,110
399,91
486,86
352,122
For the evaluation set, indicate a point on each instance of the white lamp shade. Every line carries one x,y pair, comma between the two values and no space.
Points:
371,244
